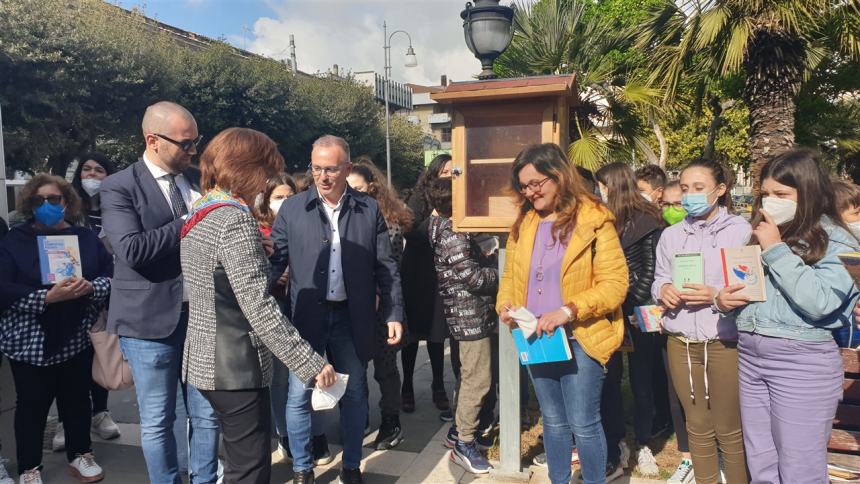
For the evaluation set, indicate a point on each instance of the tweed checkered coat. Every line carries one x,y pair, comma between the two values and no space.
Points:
234,325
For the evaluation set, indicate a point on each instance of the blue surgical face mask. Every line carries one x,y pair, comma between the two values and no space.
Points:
49,214
697,204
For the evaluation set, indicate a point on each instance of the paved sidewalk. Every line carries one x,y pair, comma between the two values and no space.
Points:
123,461
420,458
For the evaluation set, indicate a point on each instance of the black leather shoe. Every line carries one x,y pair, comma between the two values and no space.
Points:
303,477
350,476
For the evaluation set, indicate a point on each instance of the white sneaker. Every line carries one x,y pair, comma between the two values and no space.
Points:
646,463
103,425
85,469
4,476
59,441
625,454
33,476
683,474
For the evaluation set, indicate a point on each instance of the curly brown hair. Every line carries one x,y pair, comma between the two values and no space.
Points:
393,210
72,201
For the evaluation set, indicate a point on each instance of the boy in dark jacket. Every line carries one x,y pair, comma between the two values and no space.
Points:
467,284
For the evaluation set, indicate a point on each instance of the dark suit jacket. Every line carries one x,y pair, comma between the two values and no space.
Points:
146,295
301,233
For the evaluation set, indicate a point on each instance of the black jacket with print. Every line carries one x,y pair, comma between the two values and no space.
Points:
468,282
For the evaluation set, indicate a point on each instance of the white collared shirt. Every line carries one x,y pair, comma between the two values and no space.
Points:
336,290
189,196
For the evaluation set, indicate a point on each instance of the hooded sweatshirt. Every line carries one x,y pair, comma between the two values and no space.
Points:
700,322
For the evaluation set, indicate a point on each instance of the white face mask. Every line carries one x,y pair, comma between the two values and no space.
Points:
604,197
854,227
781,210
275,205
91,186
646,196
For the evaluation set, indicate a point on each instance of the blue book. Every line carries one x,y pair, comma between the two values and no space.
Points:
546,349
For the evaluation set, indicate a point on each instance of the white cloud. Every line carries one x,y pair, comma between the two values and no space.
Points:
349,33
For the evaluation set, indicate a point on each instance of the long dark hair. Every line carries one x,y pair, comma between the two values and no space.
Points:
722,175
550,161
105,163
801,169
624,200
266,216
393,210
420,198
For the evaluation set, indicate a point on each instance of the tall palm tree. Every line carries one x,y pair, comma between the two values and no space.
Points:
774,44
617,110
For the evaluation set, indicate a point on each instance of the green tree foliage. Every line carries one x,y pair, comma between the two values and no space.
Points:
78,75
588,38
774,44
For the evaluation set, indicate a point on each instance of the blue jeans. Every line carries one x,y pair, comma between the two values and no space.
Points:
569,397
155,366
278,389
353,404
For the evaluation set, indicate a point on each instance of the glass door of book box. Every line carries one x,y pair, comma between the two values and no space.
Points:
487,138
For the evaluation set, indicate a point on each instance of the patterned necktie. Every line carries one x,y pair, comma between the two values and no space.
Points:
177,203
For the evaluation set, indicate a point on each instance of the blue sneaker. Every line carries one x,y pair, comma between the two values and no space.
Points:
470,458
483,442
452,437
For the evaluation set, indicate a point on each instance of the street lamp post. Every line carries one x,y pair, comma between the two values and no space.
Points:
411,61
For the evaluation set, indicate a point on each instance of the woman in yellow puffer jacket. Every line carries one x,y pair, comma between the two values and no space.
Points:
565,264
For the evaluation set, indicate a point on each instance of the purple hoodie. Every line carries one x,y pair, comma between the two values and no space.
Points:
704,322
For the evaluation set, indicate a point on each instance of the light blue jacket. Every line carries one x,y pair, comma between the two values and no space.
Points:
804,302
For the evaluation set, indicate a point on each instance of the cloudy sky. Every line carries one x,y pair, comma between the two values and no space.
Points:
343,32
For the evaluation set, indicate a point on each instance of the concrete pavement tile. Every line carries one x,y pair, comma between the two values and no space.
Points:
121,463
389,462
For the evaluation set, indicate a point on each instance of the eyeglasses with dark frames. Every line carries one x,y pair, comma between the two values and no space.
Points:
184,145
534,186
39,200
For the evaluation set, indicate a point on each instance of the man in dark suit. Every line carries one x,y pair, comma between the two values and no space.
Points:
336,244
143,210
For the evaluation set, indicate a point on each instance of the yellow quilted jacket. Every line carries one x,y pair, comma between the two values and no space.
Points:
594,277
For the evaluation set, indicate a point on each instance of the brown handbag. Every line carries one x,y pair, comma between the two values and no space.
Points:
110,368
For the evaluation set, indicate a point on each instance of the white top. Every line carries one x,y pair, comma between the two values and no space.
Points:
189,196
161,176
336,290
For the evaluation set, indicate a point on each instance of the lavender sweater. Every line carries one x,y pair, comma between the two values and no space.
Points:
703,322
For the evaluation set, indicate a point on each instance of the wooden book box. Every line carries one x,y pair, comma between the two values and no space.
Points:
492,122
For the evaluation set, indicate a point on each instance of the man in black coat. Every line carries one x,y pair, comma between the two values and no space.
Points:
335,242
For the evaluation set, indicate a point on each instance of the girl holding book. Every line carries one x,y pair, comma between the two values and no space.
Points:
790,368
565,264
702,343
639,224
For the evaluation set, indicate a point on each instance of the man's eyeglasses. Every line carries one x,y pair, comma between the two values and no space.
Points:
534,186
185,145
39,200
328,170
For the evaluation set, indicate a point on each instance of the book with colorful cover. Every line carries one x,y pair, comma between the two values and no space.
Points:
851,261
59,257
545,349
648,317
688,268
742,265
